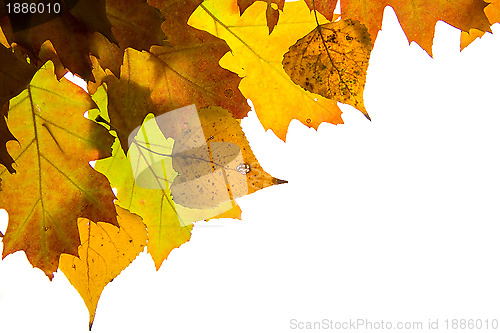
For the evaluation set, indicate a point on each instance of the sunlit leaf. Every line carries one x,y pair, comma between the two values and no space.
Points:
332,61
56,183
256,56
106,250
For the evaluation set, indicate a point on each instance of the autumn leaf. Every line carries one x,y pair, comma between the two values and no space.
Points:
92,14
165,231
256,56
55,145
324,7
214,162
194,55
492,12
418,18
15,75
272,12
169,223
136,24
151,84
168,227
70,33
332,61
105,251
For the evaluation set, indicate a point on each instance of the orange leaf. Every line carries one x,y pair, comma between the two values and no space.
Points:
418,18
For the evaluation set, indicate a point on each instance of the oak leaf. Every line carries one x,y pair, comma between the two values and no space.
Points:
332,61
256,56
55,145
105,251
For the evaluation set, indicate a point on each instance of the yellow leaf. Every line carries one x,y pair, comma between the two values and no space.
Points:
332,61
256,56
105,251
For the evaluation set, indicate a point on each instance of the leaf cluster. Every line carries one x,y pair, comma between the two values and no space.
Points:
167,84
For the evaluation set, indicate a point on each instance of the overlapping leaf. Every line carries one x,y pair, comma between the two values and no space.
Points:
55,146
169,223
105,251
257,56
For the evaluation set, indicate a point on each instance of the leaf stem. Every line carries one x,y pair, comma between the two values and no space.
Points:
315,14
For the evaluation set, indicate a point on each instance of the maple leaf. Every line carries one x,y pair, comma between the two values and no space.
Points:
272,14
105,251
418,18
151,84
55,146
15,75
492,12
332,61
256,56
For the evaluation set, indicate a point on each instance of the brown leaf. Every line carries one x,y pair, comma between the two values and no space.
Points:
272,14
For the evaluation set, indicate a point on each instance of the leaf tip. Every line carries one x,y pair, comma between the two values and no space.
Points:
280,181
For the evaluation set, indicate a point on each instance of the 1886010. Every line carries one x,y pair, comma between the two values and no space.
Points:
33,7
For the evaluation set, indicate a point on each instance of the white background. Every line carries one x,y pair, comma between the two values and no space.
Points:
396,219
